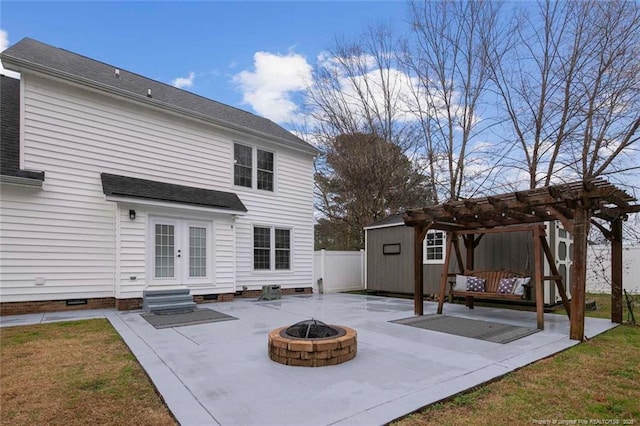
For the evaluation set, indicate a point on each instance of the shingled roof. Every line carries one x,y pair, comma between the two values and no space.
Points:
10,131
34,55
124,186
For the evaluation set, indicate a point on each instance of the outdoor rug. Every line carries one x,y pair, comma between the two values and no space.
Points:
180,319
483,330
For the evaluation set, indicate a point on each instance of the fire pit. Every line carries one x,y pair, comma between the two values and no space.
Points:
312,343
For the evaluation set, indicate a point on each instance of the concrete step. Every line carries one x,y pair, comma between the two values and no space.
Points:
165,292
167,299
170,307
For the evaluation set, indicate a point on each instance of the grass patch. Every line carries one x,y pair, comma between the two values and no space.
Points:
597,380
74,373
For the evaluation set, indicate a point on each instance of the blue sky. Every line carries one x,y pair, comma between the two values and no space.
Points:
245,54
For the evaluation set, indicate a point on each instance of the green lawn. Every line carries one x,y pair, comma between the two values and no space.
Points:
596,382
74,373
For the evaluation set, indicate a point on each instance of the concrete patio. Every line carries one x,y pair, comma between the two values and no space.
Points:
219,373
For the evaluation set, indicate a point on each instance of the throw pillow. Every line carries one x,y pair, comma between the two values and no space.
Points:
519,287
476,284
461,283
506,285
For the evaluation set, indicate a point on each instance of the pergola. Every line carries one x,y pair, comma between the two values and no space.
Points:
575,205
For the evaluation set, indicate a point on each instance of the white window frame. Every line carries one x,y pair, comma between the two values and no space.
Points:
181,241
424,248
254,168
272,248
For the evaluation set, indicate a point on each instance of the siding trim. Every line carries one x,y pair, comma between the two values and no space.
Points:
146,202
389,225
22,122
117,278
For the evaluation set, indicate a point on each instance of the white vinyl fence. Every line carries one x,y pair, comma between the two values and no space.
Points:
599,269
336,271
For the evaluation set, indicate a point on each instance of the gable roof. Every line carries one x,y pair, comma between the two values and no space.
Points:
124,186
33,55
391,220
10,131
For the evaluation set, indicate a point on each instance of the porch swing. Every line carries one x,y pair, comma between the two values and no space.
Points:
573,204
498,284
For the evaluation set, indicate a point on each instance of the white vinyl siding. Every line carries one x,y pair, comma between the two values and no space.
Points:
66,232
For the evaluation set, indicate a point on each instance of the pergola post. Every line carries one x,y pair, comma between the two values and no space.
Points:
419,232
581,221
538,275
445,270
616,271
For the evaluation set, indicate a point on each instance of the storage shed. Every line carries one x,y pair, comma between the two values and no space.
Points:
389,257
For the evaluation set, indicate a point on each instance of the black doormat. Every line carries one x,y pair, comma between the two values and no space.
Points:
197,316
476,329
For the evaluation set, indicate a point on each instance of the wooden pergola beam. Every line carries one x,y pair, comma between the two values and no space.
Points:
574,204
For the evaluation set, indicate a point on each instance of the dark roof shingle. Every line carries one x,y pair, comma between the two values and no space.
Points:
28,52
394,219
125,186
10,130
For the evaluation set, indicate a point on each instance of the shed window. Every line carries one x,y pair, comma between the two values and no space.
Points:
391,248
434,247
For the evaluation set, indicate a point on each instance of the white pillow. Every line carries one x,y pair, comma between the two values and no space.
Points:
518,289
461,283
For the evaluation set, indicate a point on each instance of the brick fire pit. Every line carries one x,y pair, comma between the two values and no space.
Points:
313,352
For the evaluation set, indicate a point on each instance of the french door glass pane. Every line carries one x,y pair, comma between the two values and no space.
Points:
164,251
197,252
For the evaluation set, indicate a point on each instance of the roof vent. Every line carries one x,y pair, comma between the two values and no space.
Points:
117,72
149,93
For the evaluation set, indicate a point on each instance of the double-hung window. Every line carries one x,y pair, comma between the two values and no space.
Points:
271,249
253,168
242,165
434,247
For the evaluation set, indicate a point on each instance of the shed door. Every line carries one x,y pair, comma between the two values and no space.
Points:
564,257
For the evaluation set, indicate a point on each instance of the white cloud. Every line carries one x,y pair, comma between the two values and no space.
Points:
4,43
270,87
184,82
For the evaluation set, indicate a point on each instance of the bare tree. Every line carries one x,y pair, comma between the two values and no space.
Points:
358,87
367,138
569,82
446,54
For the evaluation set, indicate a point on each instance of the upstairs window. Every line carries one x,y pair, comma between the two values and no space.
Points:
265,170
253,165
242,165
434,247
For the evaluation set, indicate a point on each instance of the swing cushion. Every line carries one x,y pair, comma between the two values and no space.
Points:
521,283
461,283
506,285
476,284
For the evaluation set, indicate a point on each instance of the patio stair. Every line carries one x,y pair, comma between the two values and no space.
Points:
163,301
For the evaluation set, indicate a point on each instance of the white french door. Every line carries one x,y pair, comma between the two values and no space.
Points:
180,252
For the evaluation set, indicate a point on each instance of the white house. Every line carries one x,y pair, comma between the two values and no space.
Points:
113,183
